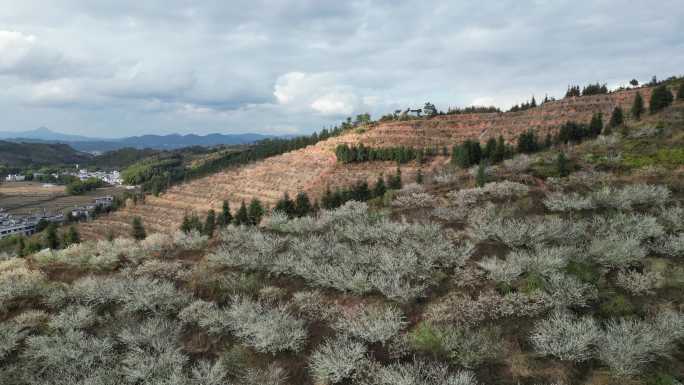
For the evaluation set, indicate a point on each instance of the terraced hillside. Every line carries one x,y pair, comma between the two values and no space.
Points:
314,168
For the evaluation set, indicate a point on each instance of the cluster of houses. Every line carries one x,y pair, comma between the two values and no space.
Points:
109,177
86,212
26,225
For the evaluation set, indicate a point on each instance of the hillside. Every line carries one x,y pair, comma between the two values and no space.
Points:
39,154
315,168
549,273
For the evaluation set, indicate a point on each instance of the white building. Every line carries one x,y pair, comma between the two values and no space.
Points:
15,178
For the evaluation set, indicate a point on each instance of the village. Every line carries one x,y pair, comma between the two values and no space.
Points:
27,225
109,177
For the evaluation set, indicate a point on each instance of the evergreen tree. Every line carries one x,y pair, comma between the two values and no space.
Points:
419,176
660,98
302,205
596,125
562,165
21,247
527,142
185,225
138,230
255,212
637,106
226,217
361,192
51,238
286,206
380,188
680,91
327,201
395,181
533,103
616,119
634,82
481,178
489,149
71,236
210,223
241,217
500,152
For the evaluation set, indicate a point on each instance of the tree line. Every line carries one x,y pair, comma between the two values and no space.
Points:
301,206
400,154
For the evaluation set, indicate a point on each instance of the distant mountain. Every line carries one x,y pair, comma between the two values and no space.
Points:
44,134
158,142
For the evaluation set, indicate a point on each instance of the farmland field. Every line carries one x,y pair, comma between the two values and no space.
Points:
21,198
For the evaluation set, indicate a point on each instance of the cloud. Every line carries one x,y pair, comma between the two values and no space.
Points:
320,93
129,67
22,55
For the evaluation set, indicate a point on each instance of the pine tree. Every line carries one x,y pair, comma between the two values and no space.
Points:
596,124
327,201
395,181
51,238
138,230
302,205
71,236
533,103
361,192
500,152
481,178
680,91
562,165
286,206
489,149
637,106
379,189
660,98
226,217
210,223
21,247
241,217
616,120
185,225
255,212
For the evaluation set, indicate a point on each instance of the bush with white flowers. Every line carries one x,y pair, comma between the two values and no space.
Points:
337,360
372,323
348,249
266,329
567,337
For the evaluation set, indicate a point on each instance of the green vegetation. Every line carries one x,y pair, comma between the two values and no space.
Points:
79,187
138,230
637,106
616,120
660,98
23,155
361,153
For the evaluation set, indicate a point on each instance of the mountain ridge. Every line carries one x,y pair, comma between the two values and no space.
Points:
158,142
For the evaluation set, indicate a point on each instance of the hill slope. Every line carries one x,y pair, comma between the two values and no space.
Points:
314,168
35,154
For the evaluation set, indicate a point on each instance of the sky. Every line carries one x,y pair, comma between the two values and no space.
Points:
129,67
